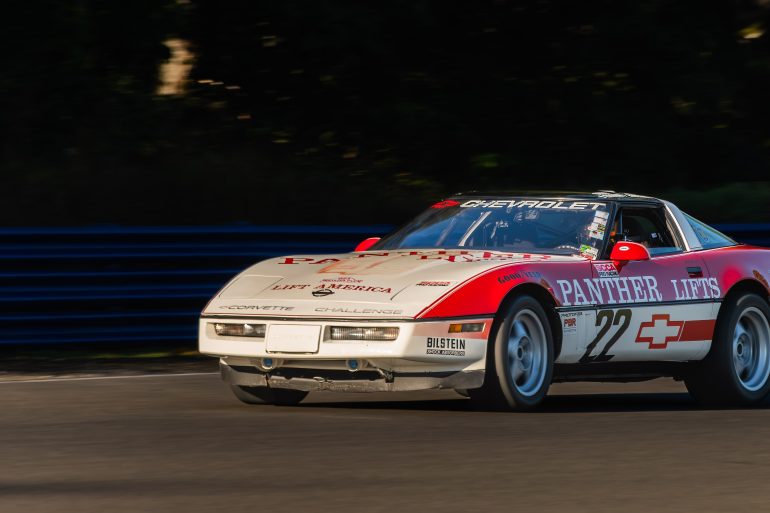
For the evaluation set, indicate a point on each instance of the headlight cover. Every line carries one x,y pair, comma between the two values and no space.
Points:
240,330
377,334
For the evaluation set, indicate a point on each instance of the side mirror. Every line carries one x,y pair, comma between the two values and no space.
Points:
624,252
367,243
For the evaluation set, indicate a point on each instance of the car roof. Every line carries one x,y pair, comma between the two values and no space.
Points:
603,195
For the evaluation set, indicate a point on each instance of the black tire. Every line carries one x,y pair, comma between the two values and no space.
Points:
741,336
506,355
265,395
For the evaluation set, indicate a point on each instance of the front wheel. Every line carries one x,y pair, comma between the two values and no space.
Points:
736,371
520,362
265,395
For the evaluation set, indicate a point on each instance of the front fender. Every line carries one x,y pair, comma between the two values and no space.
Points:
485,293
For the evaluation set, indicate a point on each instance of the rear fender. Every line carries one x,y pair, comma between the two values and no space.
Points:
740,268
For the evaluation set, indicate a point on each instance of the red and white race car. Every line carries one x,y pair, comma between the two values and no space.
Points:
497,296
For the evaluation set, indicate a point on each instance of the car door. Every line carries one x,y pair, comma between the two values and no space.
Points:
661,309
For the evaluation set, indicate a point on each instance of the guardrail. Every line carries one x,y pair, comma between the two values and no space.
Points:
122,285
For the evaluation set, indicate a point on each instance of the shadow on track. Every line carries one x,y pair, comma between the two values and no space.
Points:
584,403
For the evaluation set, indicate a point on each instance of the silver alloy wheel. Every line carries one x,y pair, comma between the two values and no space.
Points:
751,349
527,353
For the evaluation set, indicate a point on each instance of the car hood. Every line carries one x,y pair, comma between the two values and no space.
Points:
380,284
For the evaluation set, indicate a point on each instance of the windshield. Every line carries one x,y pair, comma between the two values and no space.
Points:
518,225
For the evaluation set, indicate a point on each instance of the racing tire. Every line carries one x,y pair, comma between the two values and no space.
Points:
519,358
266,395
736,372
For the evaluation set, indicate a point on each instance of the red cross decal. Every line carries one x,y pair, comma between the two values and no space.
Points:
659,331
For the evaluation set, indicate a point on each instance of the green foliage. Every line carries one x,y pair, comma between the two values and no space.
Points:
734,202
354,112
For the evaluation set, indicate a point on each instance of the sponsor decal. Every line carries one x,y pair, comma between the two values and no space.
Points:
289,287
589,251
518,276
372,311
633,289
659,331
322,292
266,308
433,284
357,288
696,288
569,324
341,279
596,234
446,204
555,205
597,227
446,346
606,270
449,256
333,286
308,260
485,256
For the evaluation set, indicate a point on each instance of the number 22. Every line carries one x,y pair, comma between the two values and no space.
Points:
606,319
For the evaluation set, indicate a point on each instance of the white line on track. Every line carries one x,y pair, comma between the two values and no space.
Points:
90,378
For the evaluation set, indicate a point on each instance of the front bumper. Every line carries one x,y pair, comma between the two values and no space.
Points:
310,380
421,347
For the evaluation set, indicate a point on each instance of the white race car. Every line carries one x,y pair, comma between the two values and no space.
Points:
498,296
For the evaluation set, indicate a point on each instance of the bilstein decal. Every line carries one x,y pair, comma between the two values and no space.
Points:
446,346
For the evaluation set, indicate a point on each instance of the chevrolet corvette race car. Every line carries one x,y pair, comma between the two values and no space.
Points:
498,296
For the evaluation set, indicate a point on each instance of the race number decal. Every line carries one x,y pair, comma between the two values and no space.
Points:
606,319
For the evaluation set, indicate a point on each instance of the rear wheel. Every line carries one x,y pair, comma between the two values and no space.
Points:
736,371
520,359
266,395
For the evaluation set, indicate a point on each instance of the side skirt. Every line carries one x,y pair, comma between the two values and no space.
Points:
622,372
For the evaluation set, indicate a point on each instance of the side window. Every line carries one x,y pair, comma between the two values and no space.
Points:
709,237
648,227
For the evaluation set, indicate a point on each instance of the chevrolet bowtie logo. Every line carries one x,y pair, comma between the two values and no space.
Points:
660,331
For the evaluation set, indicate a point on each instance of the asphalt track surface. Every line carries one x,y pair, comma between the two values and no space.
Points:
184,444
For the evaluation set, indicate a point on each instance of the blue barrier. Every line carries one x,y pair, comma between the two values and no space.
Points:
127,284
132,284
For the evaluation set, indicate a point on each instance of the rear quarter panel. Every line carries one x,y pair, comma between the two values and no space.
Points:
737,264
